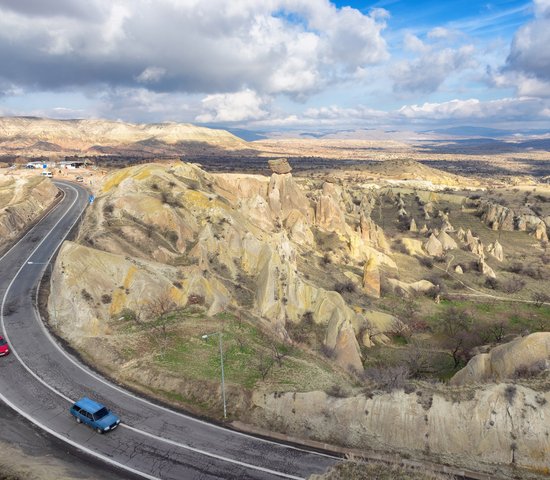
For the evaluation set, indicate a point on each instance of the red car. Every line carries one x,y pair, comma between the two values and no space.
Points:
4,348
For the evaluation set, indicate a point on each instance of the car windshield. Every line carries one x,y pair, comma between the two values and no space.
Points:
3,342
101,413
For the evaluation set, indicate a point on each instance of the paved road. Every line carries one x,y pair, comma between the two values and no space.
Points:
40,380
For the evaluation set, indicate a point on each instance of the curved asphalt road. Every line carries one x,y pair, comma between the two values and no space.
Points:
40,381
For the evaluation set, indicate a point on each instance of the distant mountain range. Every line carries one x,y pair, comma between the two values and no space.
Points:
37,136
473,131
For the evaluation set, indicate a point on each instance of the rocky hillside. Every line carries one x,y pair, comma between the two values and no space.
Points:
249,243
425,176
40,136
22,201
522,218
352,315
499,425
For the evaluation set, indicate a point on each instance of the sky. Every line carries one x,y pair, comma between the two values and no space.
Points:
279,65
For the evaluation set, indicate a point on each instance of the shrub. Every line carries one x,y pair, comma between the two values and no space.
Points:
86,295
195,300
108,208
540,298
345,287
106,298
515,267
337,391
326,260
387,378
327,351
530,371
426,262
510,393
171,236
512,285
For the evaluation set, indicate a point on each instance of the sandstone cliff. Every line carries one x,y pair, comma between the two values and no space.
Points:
500,424
22,201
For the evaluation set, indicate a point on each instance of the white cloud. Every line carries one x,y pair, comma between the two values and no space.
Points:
525,85
427,72
232,107
506,109
412,43
439,32
529,52
542,7
293,47
151,75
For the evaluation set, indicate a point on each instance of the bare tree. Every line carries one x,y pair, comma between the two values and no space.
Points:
540,298
159,311
264,364
279,353
459,338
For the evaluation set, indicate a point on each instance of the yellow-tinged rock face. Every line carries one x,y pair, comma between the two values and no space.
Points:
371,278
21,202
212,232
503,361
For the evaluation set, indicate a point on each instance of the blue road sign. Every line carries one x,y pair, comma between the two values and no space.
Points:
91,198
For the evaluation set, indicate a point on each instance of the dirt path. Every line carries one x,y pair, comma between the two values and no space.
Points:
479,293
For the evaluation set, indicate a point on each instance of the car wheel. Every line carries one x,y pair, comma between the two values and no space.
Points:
98,430
78,420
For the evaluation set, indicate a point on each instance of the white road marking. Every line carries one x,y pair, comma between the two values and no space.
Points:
89,451
95,454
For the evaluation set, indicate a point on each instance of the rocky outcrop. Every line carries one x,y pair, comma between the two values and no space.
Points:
476,247
504,361
284,195
412,246
447,241
433,247
330,211
379,327
279,166
496,250
499,217
371,278
540,232
22,201
204,239
410,289
498,424
90,286
373,235
485,269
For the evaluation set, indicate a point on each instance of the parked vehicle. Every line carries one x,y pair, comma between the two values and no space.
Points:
4,347
94,414
47,174
79,179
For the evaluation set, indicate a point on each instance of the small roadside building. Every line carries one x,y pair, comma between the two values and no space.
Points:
72,164
38,164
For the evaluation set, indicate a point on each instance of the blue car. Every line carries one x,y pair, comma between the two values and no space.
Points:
95,415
